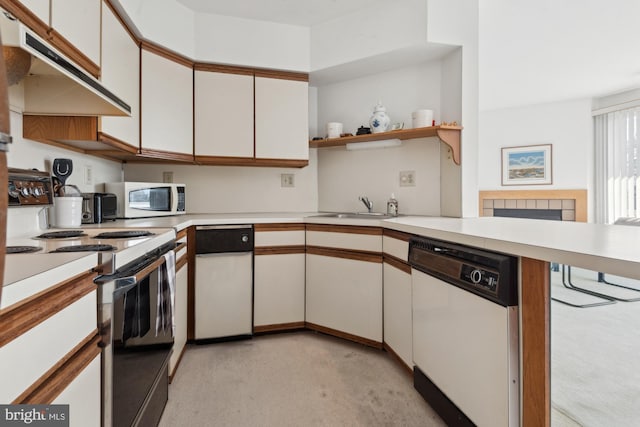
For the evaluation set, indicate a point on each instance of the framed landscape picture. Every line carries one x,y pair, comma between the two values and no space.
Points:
526,165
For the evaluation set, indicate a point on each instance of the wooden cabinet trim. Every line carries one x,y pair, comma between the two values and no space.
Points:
116,143
345,335
398,235
250,71
284,75
535,336
182,261
165,53
249,161
291,326
27,314
55,380
44,30
124,23
279,250
346,254
182,234
66,47
24,15
220,68
281,163
224,160
148,154
397,263
279,227
351,229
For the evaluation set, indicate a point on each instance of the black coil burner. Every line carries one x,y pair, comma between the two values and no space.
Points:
22,249
85,248
124,234
62,234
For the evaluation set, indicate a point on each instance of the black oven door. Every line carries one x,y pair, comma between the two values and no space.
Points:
140,341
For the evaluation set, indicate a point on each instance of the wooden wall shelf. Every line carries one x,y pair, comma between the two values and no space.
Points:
450,135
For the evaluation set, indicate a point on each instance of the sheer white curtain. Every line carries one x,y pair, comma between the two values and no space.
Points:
617,186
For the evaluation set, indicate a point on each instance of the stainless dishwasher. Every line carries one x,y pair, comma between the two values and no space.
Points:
465,332
224,281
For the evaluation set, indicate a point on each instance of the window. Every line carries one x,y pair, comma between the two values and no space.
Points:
617,184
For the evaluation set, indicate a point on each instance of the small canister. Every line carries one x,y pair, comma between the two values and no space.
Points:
422,118
334,130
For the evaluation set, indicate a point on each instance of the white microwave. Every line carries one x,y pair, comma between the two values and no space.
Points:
148,199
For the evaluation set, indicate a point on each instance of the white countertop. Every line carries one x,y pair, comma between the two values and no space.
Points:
28,274
609,249
606,248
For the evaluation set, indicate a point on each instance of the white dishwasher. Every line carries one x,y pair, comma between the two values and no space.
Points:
465,332
224,282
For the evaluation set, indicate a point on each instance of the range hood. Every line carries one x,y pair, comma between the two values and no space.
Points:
54,85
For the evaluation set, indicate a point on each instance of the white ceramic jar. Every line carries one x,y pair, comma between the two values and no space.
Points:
379,121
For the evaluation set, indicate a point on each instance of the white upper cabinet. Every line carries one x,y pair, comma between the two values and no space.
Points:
281,118
166,105
121,75
78,21
40,8
223,114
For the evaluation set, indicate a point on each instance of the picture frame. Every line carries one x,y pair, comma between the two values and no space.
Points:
527,165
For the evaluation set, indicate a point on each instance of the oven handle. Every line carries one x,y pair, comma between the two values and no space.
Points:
123,284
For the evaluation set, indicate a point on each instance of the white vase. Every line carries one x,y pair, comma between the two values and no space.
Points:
379,121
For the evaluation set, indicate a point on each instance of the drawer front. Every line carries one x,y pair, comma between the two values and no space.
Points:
396,248
352,241
279,238
26,358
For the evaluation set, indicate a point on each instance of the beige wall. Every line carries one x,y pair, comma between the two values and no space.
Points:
344,175
220,189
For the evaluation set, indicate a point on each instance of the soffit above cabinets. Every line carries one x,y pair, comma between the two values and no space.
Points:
293,12
387,61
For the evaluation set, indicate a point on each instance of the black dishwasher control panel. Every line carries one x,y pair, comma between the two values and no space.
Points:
214,239
491,275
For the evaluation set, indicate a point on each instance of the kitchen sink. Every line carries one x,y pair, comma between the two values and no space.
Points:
357,215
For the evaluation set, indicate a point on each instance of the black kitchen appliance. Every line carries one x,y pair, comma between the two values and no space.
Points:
98,207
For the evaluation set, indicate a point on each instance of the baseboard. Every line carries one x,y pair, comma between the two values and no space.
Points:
345,335
448,411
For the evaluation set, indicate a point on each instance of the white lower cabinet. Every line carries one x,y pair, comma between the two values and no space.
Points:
397,313
279,279
83,396
278,289
345,295
180,317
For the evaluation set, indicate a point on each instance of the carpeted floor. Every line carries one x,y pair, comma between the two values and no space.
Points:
293,379
595,356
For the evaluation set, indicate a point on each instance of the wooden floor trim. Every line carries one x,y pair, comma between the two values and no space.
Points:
345,335
408,369
278,327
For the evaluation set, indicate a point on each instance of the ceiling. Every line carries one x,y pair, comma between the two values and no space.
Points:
293,12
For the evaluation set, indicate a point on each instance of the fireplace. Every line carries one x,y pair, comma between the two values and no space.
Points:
559,205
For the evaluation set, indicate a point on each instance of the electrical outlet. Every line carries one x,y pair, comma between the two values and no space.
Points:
407,178
167,177
287,180
88,175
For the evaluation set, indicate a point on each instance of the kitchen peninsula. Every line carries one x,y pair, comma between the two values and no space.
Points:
606,248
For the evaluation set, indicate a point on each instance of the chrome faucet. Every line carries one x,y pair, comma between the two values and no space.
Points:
367,202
